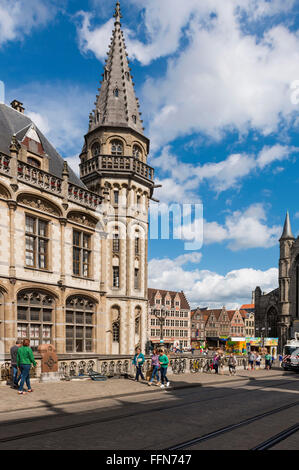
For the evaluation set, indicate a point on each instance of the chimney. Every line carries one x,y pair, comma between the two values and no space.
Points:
18,106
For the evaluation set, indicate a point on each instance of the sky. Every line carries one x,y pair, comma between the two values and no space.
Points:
218,84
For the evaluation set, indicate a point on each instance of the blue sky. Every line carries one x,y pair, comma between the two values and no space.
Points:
218,84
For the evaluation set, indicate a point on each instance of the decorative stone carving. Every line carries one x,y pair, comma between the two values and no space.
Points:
49,362
83,219
36,202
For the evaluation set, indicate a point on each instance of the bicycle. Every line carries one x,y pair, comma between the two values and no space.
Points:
196,366
179,366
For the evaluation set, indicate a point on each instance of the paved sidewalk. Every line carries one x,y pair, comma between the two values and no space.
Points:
86,390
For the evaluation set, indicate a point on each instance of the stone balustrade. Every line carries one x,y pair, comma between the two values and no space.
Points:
31,175
116,365
83,197
4,164
117,163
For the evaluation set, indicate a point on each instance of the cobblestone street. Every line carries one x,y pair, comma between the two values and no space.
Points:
82,414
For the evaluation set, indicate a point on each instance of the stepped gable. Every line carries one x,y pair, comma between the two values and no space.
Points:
163,293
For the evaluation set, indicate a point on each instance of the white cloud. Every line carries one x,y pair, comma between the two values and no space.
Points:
19,17
241,230
181,181
233,66
203,287
60,110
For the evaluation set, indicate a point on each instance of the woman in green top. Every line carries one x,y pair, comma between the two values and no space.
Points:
163,361
24,360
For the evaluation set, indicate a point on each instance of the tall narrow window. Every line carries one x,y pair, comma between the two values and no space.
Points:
116,276
116,92
136,279
81,253
117,148
137,246
36,242
116,243
116,197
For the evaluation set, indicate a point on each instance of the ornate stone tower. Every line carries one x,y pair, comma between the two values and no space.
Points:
114,164
287,241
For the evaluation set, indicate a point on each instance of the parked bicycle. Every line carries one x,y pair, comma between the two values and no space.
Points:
196,365
179,366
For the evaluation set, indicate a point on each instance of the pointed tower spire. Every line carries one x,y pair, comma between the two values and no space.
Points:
117,105
117,14
287,230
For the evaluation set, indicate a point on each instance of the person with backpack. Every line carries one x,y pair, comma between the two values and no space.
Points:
138,362
164,361
24,360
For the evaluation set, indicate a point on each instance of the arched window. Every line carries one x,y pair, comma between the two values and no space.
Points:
117,148
137,152
80,312
35,314
95,149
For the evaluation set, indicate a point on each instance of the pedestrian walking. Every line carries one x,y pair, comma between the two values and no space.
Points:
138,362
216,360
268,361
258,361
16,376
164,361
232,362
156,367
251,359
24,360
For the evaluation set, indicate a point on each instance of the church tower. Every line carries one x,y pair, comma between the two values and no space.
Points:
287,241
114,165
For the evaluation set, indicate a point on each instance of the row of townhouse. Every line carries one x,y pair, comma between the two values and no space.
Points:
209,327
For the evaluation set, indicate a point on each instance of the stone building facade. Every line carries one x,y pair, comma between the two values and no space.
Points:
277,312
73,251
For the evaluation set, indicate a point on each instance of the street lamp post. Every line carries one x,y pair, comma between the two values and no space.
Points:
159,314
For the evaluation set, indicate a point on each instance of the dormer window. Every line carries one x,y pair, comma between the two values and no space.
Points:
117,148
33,162
95,149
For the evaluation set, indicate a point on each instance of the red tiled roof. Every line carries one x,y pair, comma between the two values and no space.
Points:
245,306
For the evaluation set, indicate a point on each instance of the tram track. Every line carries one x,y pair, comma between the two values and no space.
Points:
265,445
150,410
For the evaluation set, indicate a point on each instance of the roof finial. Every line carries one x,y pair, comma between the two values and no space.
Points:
287,231
117,15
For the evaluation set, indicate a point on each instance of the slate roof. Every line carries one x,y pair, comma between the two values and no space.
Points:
116,104
13,122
